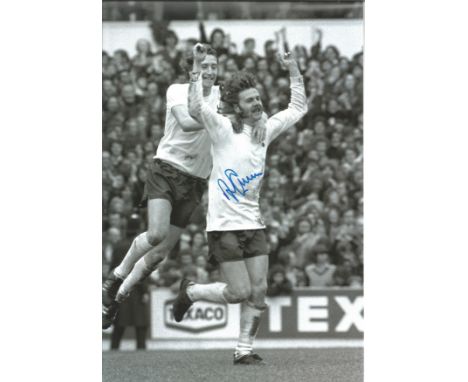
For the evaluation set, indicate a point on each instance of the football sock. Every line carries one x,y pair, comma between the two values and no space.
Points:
137,250
213,292
139,272
249,323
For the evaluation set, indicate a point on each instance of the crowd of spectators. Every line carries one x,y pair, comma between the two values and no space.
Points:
312,194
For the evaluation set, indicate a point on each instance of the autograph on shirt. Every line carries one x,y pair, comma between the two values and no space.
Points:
236,184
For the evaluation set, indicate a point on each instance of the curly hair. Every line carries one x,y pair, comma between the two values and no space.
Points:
233,86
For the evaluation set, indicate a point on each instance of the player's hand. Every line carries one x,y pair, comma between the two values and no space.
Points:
199,53
288,61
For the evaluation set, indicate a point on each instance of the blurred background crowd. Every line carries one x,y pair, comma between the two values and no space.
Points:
312,195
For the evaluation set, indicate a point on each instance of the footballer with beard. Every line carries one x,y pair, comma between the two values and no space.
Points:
174,188
236,230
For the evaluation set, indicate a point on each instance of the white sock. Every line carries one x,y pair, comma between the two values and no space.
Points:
137,250
139,272
213,292
249,323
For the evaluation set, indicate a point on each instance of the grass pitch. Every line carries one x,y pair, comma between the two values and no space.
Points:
317,365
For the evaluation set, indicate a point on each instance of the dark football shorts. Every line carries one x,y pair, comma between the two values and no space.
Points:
182,190
227,246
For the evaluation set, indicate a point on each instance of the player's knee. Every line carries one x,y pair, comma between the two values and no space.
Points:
153,259
241,293
259,289
155,237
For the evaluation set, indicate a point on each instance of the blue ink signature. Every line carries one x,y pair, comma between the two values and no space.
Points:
237,185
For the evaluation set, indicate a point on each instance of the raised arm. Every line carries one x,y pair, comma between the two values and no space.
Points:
297,107
195,93
197,107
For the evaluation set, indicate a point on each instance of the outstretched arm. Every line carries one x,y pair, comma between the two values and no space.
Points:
297,107
195,93
197,107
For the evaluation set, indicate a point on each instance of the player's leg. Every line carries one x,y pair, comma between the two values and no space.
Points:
140,333
235,290
252,309
159,211
116,336
159,192
181,194
160,195
166,219
187,195
225,247
257,267
149,263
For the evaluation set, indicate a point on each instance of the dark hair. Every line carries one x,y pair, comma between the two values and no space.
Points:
357,56
276,268
268,43
187,62
335,50
230,92
170,33
238,82
249,39
320,248
216,30
123,53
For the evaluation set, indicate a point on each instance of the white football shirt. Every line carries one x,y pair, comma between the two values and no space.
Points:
239,163
189,151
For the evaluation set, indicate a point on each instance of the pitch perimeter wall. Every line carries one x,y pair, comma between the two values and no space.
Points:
306,313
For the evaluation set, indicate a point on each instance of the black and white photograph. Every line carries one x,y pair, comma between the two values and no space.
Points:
232,191
185,185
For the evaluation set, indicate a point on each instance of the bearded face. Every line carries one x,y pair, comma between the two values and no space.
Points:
250,105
